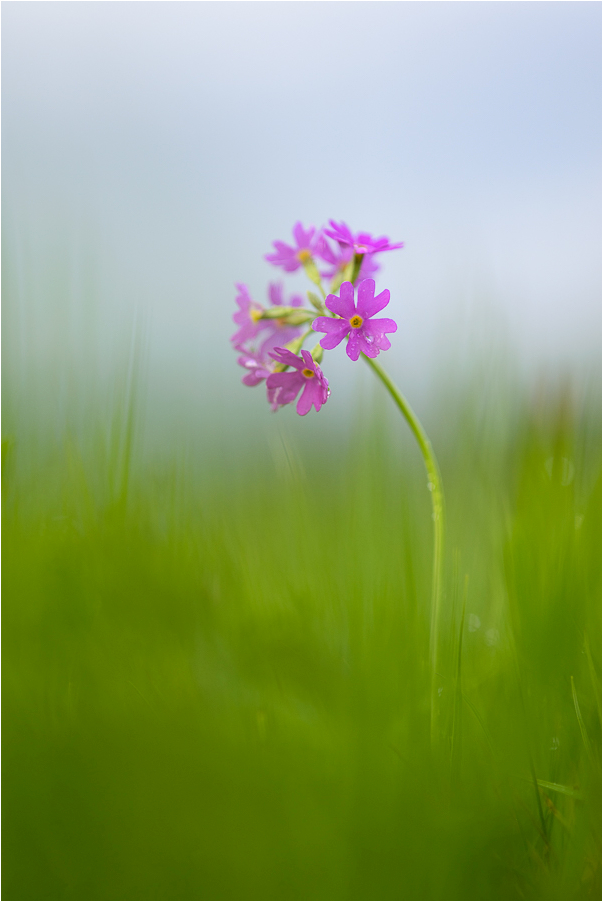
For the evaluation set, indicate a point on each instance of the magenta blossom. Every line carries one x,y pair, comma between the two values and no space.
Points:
291,258
259,368
278,333
338,260
255,356
283,388
252,329
366,335
258,360
246,317
362,242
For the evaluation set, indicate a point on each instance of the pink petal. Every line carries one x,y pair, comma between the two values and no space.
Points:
335,337
323,250
326,324
255,377
381,325
340,233
282,355
344,304
367,304
370,345
302,237
353,346
277,337
308,360
304,405
275,293
288,383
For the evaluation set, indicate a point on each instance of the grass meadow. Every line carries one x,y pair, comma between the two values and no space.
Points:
215,664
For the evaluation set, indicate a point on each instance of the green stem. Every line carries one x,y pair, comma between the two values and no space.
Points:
437,501
358,258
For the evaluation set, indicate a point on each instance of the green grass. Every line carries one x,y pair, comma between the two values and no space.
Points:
216,677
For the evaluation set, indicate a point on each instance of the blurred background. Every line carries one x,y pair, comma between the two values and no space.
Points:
216,679
153,151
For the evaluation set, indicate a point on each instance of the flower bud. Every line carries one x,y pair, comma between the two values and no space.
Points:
290,316
316,302
279,312
299,317
312,271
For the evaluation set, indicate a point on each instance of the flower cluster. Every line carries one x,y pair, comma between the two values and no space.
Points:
269,339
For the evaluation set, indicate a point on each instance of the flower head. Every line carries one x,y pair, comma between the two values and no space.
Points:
341,258
247,316
283,388
257,336
291,258
362,242
365,335
259,366
258,358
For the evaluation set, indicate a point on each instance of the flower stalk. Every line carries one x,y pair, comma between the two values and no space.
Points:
357,264
434,484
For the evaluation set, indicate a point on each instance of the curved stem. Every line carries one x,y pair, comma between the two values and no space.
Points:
437,501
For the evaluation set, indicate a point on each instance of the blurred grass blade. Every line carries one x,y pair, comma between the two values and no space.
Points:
583,732
455,737
557,787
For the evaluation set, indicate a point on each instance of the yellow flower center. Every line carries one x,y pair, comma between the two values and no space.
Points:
255,314
304,255
308,373
356,321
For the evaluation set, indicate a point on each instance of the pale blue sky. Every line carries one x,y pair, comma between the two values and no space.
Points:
157,148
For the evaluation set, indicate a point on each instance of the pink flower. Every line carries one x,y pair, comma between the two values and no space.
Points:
366,335
259,336
338,260
283,388
246,317
258,359
362,242
259,364
291,258
258,369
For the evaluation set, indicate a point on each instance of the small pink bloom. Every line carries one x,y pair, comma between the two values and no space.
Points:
246,317
283,388
365,335
361,242
339,259
259,369
257,336
291,258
